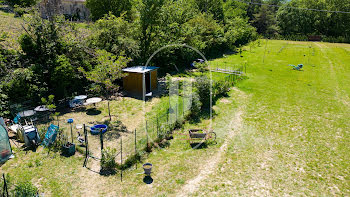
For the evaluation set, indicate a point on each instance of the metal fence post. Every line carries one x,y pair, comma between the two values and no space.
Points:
86,147
183,108
121,157
5,187
146,134
135,146
157,127
167,117
101,139
176,113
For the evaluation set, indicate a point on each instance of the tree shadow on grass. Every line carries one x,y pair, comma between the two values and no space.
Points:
114,129
204,114
93,112
200,145
107,172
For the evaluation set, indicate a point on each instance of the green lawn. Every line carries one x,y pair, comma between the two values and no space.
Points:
11,26
296,137
280,132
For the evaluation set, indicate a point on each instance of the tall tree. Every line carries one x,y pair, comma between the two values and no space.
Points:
107,71
214,7
99,8
150,12
265,21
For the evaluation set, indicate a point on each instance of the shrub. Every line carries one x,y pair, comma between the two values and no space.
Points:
99,8
4,110
195,106
202,67
203,89
108,163
49,102
115,35
204,33
239,32
25,189
20,11
22,3
221,88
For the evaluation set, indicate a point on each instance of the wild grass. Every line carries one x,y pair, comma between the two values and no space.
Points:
294,138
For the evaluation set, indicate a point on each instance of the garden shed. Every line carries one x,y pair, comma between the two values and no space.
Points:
140,81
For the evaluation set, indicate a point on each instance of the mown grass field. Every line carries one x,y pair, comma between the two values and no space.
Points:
280,133
12,27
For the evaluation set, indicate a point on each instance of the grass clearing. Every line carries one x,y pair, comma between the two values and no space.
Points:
293,138
12,27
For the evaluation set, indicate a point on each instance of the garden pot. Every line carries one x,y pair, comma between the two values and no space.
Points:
68,149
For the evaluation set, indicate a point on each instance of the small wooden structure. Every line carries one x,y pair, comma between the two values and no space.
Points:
315,38
140,81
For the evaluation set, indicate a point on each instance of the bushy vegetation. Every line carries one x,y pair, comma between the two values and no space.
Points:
25,189
108,163
56,59
22,188
298,19
22,3
203,88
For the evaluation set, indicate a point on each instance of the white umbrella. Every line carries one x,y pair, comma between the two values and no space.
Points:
27,113
80,97
92,101
41,108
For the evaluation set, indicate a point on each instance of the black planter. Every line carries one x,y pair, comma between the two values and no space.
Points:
68,149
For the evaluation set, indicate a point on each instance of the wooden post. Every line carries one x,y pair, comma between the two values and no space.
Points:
109,112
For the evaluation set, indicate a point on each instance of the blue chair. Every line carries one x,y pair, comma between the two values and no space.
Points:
50,135
299,67
16,119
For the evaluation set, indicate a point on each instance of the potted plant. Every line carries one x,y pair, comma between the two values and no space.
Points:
68,148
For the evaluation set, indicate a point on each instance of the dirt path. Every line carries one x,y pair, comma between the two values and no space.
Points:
212,163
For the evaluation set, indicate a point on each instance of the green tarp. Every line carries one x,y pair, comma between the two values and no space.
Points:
5,147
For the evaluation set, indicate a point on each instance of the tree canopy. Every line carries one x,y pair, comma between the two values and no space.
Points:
60,58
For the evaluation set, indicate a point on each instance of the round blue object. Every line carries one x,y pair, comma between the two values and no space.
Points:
70,120
97,128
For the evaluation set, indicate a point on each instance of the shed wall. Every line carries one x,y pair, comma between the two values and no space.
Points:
133,83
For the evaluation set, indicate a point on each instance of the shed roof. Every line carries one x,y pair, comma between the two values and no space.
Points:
140,69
